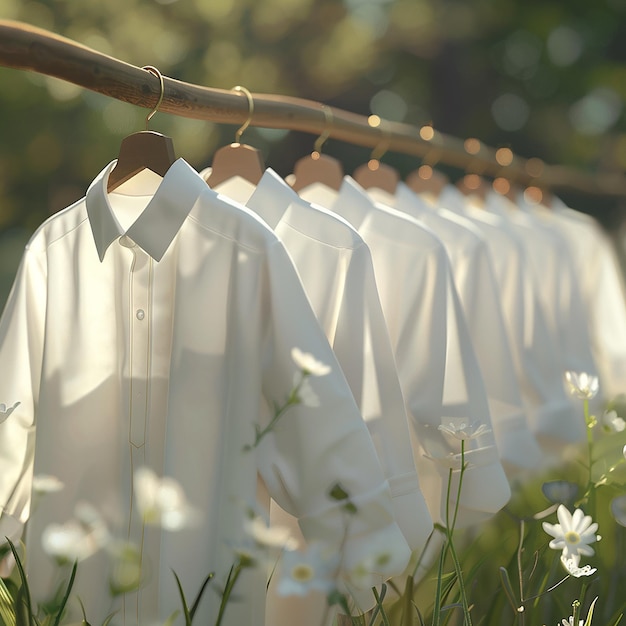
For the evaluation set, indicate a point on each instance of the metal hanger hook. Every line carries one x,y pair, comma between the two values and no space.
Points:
383,145
155,71
250,111
328,122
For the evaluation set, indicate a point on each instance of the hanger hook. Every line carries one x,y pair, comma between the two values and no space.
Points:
250,111
328,122
382,146
155,71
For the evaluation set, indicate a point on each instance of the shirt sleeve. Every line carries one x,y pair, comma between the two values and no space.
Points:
319,444
21,345
364,351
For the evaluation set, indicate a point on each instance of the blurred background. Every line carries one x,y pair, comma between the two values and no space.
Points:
544,78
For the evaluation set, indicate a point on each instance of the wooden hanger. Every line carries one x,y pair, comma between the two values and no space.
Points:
143,150
237,159
473,184
377,174
426,179
318,167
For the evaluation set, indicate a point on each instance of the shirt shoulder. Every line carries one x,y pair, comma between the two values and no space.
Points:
322,225
58,226
216,215
403,230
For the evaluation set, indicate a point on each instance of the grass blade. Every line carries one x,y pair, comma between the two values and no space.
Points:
24,590
7,610
70,584
183,600
196,602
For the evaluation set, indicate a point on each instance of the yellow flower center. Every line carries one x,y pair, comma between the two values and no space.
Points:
572,537
302,573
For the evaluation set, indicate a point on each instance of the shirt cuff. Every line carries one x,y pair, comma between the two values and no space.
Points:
410,510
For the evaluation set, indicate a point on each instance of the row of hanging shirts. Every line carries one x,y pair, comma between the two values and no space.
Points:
153,322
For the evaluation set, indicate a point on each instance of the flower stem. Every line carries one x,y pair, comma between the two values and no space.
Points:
590,486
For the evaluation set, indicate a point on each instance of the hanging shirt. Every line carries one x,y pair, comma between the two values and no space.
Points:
440,378
154,327
336,271
481,298
570,315
599,276
560,420
536,363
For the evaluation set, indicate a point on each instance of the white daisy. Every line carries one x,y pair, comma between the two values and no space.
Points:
573,533
582,385
308,363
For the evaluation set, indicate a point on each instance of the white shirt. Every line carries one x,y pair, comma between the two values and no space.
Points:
599,277
480,296
335,267
438,371
552,423
154,326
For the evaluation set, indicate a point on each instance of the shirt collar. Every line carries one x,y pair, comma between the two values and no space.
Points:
156,227
272,197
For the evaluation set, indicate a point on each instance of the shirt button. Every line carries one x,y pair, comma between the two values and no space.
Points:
127,242
140,314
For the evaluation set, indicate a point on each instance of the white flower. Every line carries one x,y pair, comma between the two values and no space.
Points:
573,533
582,385
571,564
45,483
162,501
301,572
306,394
78,538
127,574
570,622
449,461
463,430
308,363
270,536
612,423
5,410
371,570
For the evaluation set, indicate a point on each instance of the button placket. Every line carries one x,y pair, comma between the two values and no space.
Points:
140,347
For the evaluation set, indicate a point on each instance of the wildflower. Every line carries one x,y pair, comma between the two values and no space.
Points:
162,501
306,395
371,570
570,622
78,538
463,430
618,509
571,565
449,461
126,575
559,491
301,572
269,536
308,363
582,385
612,423
573,533
44,483
5,410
